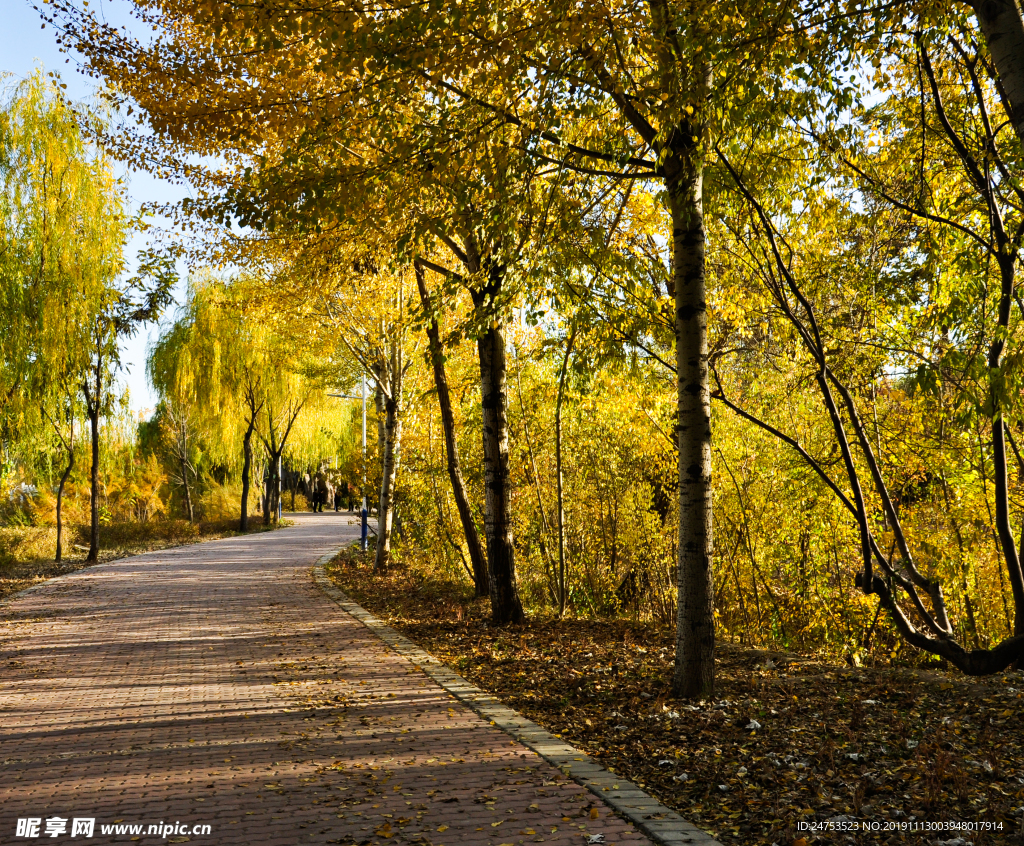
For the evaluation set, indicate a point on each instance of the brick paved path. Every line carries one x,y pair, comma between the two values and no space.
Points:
214,684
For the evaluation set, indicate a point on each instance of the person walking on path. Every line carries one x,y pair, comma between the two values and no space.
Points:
314,494
321,486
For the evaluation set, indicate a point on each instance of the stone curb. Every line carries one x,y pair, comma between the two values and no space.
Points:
661,824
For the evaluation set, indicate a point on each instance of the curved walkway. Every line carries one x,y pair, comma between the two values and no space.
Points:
214,685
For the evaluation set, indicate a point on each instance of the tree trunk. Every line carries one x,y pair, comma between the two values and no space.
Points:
265,498
1003,27
476,552
275,447
188,493
276,488
246,470
505,604
378,404
273,489
1007,541
694,676
549,567
255,406
93,407
60,500
562,573
392,427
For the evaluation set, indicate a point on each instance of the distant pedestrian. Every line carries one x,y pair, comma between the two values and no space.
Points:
321,486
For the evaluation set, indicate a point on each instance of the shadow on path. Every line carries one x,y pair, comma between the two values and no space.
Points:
214,685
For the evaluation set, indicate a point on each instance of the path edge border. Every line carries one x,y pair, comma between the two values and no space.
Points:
663,825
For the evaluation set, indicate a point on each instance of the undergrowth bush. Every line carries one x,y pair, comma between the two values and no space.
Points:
25,543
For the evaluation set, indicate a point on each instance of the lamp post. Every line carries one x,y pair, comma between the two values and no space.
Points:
365,513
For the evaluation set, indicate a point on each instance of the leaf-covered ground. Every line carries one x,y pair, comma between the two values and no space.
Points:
789,745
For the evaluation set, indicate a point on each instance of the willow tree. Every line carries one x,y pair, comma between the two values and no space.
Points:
62,231
343,305
231,350
206,359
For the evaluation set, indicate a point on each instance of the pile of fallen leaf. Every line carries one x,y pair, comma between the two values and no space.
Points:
791,750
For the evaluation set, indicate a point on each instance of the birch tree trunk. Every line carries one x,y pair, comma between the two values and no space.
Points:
678,145
378,404
393,371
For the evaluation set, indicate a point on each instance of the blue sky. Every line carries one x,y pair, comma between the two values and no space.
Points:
23,46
